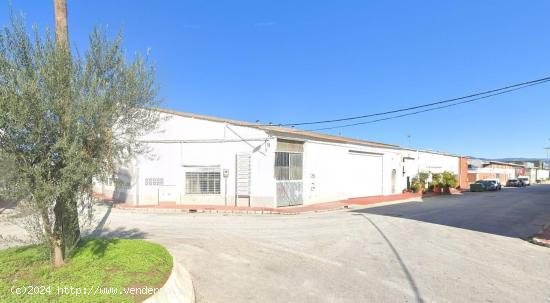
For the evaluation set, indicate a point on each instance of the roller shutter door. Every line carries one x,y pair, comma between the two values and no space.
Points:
365,174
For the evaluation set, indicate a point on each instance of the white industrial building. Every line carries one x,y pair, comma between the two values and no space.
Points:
202,160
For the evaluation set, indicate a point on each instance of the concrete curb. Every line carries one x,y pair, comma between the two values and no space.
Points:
236,212
229,211
542,238
178,287
349,206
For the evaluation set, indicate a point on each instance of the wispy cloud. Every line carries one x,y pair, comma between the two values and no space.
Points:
265,23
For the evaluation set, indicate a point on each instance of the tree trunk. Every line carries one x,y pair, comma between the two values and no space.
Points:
54,239
58,235
61,29
66,230
57,251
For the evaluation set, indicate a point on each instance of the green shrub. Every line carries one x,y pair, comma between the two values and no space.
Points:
448,179
415,186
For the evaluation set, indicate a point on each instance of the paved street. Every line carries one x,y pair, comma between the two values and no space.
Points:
445,249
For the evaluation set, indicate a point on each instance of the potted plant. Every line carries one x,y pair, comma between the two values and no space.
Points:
437,183
449,180
416,185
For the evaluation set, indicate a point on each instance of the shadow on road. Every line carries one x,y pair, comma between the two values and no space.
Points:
510,212
120,232
408,274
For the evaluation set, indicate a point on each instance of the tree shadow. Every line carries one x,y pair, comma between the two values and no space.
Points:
104,238
121,232
101,224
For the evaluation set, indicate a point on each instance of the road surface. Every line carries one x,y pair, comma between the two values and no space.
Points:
467,248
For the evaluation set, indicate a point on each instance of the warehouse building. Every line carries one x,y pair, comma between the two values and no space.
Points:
197,159
480,170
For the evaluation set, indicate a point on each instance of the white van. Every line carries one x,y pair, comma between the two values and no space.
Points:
525,180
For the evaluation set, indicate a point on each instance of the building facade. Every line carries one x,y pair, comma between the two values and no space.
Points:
503,171
202,160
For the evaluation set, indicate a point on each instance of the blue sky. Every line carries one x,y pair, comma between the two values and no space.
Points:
291,61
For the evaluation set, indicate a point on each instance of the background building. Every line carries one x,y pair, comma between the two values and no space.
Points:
503,171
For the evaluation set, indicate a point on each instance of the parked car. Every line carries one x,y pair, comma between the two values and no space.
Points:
497,182
477,187
491,185
482,183
525,180
514,183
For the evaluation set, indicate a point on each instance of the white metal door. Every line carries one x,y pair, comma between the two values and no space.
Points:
242,180
365,175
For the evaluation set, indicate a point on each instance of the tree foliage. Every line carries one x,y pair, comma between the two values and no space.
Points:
67,120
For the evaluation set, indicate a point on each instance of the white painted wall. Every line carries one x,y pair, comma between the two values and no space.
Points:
510,173
207,143
332,173
422,161
438,163
543,174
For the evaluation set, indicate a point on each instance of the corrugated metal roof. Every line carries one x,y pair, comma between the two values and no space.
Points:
281,131
505,163
295,133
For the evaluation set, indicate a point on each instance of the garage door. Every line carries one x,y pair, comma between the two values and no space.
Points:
365,174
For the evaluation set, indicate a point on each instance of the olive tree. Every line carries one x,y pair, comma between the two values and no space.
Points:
65,121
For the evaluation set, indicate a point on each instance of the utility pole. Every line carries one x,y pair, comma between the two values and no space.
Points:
61,29
66,228
547,149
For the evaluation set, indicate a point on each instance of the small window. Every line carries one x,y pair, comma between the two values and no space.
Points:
204,181
154,181
288,166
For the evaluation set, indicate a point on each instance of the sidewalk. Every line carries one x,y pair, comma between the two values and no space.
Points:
543,238
290,210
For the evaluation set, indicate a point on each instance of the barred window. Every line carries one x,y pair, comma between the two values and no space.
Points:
288,166
205,181
154,181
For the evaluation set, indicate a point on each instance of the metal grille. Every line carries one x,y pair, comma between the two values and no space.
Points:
154,181
288,166
289,193
203,182
290,146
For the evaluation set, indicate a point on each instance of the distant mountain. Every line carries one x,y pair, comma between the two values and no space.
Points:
520,159
547,163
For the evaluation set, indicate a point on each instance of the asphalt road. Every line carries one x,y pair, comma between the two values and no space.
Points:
447,249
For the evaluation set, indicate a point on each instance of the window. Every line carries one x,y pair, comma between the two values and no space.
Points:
154,181
204,181
288,166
